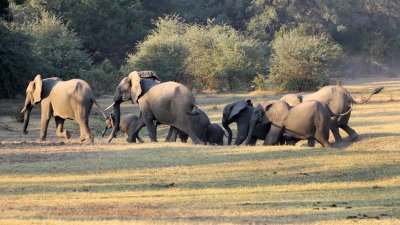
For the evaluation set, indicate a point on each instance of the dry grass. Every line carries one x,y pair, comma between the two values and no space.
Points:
66,182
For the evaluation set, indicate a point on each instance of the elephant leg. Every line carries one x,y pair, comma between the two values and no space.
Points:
151,129
350,131
323,139
242,130
335,132
273,136
60,132
191,132
311,142
253,141
45,118
134,131
182,136
172,134
86,135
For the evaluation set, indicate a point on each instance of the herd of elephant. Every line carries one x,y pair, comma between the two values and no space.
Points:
292,118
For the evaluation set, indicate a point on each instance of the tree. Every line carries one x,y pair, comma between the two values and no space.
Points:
203,57
15,61
56,49
302,62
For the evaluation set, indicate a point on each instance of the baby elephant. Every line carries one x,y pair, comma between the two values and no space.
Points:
215,134
306,121
126,122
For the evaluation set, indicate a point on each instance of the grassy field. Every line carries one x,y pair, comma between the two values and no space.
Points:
66,182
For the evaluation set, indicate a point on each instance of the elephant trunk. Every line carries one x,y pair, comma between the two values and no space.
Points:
253,121
117,114
27,113
228,129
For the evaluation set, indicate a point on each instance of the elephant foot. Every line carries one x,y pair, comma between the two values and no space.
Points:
42,138
199,143
129,140
354,137
67,134
25,132
338,140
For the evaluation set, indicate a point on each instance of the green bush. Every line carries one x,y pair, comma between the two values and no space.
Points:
259,82
215,57
163,51
301,62
103,78
16,61
57,50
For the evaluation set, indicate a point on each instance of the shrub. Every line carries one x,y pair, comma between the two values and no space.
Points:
56,50
163,51
213,57
301,62
103,78
15,61
259,82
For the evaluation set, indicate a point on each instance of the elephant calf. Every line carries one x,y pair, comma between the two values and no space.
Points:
127,121
214,135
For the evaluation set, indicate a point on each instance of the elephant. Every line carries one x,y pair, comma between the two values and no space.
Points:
306,121
127,121
241,112
339,101
169,103
71,99
201,124
215,134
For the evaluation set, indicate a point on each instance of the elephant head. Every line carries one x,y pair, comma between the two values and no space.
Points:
274,112
33,96
229,114
36,91
265,113
131,88
292,99
109,123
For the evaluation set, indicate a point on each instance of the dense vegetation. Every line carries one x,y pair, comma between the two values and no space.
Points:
206,44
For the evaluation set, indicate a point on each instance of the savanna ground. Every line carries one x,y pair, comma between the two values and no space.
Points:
66,182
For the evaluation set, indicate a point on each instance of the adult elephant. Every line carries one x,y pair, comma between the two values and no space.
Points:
72,99
240,112
122,93
339,101
169,103
306,121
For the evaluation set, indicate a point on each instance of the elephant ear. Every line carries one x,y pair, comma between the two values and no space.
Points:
237,107
37,89
149,75
277,111
136,89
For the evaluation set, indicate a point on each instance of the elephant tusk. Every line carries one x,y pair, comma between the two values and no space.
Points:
109,107
23,110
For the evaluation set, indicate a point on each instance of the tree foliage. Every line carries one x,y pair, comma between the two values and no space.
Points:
301,62
202,56
221,45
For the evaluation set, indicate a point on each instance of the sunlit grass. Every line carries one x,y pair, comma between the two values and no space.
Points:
66,182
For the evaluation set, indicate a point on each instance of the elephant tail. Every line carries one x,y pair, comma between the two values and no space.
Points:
341,114
101,110
374,92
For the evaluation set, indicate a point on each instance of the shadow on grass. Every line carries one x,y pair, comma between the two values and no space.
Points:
89,163
347,142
